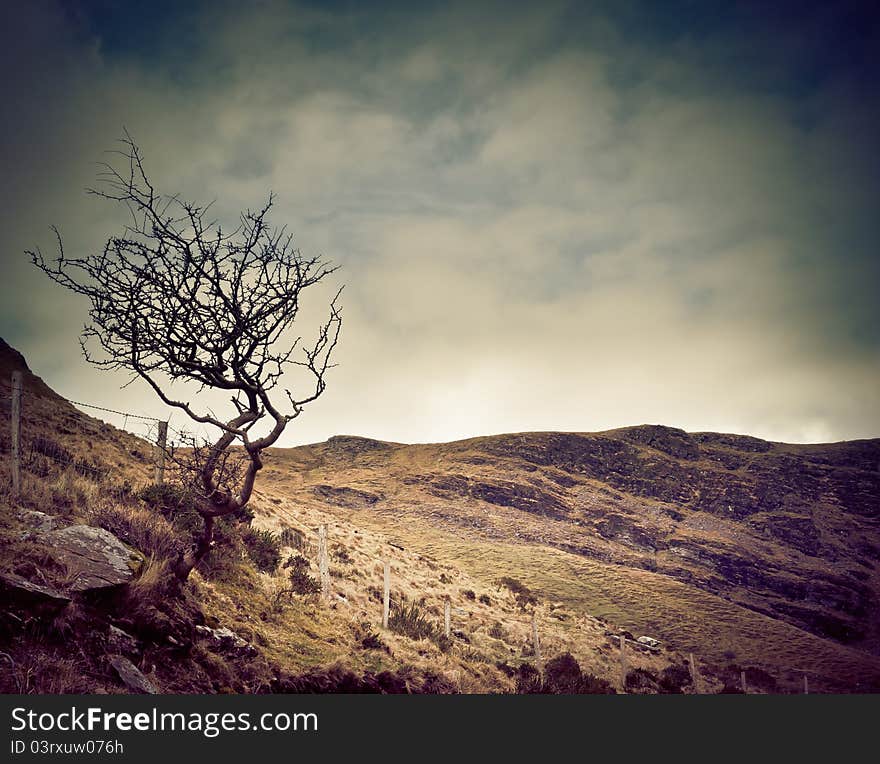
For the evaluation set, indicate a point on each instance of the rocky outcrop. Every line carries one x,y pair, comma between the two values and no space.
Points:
92,558
20,593
95,559
121,642
131,676
226,640
502,493
668,440
354,445
39,521
343,496
792,531
624,530
798,532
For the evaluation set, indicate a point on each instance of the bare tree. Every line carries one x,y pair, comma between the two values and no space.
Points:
173,298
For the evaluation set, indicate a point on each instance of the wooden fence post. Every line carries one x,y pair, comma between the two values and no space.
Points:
447,619
742,678
536,642
622,663
323,565
16,433
695,675
386,597
161,444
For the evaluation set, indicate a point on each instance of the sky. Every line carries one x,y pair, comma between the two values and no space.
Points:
547,216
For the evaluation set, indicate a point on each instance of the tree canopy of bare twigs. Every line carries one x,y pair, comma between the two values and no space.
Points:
174,298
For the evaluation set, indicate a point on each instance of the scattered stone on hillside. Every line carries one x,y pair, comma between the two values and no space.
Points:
227,640
131,676
343,496
40,521
122,642
19,591
354,444
798,532
94,557
625,531
669,440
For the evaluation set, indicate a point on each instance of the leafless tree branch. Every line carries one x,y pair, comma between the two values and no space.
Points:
173,298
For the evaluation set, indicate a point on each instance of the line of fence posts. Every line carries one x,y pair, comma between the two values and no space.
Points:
695,675
386,596
16,433
16,444
161,445
323,565
537,642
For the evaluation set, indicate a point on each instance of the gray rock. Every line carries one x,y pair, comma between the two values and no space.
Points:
40,521
131,676
20,591
122,642
94,557
227,640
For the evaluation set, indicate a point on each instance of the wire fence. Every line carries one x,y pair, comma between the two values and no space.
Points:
38,453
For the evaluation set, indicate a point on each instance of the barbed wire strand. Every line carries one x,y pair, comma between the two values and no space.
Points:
126,414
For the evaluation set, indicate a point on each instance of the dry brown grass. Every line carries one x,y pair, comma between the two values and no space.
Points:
329,632
482,543
138,526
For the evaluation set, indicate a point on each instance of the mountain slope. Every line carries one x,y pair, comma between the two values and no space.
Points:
238,625
721,544
738,550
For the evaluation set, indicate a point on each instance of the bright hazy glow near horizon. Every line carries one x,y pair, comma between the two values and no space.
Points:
547,216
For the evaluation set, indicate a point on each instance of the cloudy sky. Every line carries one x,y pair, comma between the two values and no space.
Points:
549,216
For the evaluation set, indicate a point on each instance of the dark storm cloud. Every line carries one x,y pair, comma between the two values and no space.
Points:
562,217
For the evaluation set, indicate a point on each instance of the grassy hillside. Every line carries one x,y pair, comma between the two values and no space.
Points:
747,554
79,472
646,539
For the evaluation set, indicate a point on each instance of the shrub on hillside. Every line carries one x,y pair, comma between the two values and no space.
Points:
562,676
341,555
228,552
263,547
300,580
524,596
528,680
756,679
674,678
640,679
167,498
409,619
